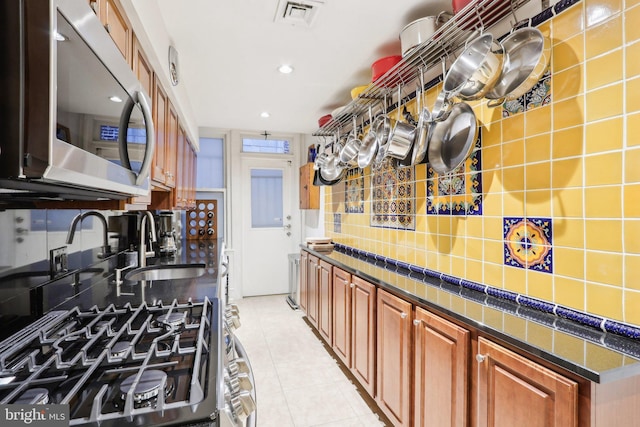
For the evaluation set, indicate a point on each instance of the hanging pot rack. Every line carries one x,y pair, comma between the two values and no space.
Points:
446,40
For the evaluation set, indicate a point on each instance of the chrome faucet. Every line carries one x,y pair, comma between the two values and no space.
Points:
142,247
106,248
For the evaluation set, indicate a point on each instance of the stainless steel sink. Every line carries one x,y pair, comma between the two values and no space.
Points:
166,272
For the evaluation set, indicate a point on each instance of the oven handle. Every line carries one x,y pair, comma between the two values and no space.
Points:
241,352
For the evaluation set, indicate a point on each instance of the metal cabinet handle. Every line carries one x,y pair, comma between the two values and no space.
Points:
416,322
352,285
404,315
480,358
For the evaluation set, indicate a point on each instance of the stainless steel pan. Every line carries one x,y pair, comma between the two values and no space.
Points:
526,57
402,136
369,146
349,152
419,153
451,141
476,70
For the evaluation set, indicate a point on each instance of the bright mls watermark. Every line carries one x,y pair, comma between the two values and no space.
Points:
34,415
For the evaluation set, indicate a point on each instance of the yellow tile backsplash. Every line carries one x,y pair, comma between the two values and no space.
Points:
569,165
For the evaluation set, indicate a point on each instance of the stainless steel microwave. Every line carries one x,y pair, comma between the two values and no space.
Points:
77,123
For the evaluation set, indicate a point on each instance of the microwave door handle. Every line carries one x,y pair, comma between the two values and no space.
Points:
151,138
122,133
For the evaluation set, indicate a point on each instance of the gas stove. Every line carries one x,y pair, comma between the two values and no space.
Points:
145,365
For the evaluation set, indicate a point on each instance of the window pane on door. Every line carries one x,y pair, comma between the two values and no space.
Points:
266,198
272,146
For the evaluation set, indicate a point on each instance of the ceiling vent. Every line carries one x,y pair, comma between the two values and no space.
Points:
302,12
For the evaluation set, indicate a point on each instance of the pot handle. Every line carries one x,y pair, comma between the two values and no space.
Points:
443,17
493,103
442,104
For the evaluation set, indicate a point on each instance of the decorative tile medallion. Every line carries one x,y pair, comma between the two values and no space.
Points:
393,197
354,191
337,223
458,192
539,95
528,243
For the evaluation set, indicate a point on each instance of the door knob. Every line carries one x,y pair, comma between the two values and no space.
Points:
287,226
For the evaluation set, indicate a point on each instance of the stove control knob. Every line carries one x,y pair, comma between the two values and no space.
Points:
233,320
243,405
241,365
233,368
233,308
234,385
245,382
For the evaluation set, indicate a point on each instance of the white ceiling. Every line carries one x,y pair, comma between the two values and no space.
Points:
229,52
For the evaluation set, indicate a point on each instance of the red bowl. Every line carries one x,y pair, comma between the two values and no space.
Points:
382,65
458,5
324,120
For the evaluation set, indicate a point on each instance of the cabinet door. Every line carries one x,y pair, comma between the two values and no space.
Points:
515,391
304,276
171,149
118,27
325,297
160,107
393,393
191,187
183,169
309,194
142,67
342,315
363,333
312,290
440,371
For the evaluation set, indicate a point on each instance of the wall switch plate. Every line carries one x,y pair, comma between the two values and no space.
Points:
58,261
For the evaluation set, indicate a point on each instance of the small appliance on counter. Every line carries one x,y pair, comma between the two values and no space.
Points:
166,234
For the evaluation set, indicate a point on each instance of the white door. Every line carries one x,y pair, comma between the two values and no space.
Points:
266,225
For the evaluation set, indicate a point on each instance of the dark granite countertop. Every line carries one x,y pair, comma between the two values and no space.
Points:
591,353
27,294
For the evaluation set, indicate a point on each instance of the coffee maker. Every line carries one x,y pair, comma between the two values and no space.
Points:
166,234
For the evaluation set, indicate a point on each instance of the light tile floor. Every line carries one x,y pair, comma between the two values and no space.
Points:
298,382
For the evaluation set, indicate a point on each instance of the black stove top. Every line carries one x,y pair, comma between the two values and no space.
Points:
130,365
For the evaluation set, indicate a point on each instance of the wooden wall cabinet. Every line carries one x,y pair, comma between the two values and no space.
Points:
309,193
171,149
516,391
441,360
160,111
393,358
116,23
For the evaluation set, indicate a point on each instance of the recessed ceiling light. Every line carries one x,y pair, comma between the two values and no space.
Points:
265,114
115,98
285,69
